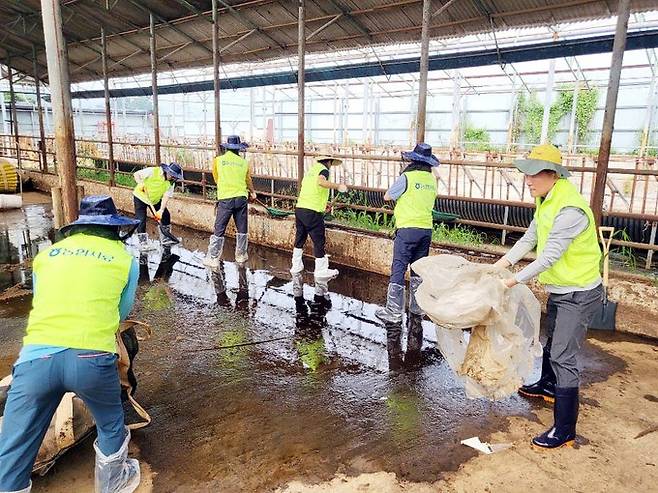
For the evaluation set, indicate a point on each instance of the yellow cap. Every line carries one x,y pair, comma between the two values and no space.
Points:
542,157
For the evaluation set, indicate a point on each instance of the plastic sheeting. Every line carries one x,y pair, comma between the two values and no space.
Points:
488,334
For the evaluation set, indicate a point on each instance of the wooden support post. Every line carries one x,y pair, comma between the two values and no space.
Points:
154,86
42,131
619,45
300,92
58,211
424,68
60,92
108,110
216,81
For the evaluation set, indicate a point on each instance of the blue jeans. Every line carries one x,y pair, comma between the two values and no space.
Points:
36,391
410,244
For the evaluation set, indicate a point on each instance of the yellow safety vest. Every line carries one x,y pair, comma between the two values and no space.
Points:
76,301
579,265
312,196
414,207
231,175
155,185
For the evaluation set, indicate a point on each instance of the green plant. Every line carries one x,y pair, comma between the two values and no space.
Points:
476,139
531,113
364,220
123,179
458,234
625,253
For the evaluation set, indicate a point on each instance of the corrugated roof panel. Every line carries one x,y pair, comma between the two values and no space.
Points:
362,23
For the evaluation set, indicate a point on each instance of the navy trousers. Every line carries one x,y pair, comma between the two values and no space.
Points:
410,244
235,208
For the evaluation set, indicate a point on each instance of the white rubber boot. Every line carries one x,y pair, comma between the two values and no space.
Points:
143,243
116,473
297,261
414,283
215,247
322,270
241,248
392,313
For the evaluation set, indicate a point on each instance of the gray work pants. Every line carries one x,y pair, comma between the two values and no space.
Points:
568,316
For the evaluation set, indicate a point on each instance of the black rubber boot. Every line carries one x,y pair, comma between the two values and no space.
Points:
544,388
565,415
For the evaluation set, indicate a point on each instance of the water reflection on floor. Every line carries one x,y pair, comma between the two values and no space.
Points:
250,388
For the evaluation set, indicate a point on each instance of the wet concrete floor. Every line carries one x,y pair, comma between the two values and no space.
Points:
328,391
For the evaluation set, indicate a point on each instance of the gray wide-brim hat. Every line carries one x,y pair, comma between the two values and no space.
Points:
534,166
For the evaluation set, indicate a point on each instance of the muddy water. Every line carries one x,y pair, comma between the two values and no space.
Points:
249,390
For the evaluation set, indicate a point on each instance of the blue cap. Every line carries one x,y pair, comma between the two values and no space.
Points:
233,143
421,153
99,210
173,169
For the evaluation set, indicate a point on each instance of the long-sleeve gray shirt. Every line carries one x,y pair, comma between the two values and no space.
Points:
569,223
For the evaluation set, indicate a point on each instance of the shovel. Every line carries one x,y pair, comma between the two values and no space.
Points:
604,318
165,233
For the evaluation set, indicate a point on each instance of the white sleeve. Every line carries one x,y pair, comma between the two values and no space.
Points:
143,174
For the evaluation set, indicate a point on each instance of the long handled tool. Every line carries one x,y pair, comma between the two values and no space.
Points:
273,212
167,234
604,318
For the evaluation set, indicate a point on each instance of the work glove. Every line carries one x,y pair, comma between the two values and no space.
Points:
342,188
502,263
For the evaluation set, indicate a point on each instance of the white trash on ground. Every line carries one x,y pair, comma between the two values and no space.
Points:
489,335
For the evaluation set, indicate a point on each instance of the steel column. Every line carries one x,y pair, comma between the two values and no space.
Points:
108,110
300,92
154,88
548,98
573,130
424,68
14,113
215,71
619,45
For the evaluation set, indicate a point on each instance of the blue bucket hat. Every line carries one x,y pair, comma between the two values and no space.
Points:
421,153
233,143
99,210
173,169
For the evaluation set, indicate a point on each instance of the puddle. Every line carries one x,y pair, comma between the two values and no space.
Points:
297,390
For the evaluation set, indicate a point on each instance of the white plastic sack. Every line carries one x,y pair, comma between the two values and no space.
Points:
489,335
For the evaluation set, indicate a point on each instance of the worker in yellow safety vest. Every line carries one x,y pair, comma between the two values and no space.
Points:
154,189
84,285
568,255
309,221
414,193
234,188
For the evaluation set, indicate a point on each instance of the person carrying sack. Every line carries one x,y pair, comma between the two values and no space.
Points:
414,193
568,257
234,187
309,217
84,285
155,186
